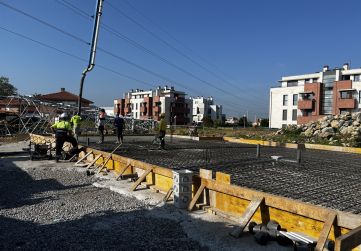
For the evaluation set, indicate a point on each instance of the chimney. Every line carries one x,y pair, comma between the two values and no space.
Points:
62,89
345,66
325,68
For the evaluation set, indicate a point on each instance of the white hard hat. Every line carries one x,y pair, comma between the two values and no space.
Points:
63,115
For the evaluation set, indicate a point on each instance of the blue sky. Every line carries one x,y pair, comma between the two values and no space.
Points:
248,45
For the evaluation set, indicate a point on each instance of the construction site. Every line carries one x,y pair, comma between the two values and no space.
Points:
259,195
139,174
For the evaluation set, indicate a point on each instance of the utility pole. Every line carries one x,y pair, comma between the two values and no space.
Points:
92,52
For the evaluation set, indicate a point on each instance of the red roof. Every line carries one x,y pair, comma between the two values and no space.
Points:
63,96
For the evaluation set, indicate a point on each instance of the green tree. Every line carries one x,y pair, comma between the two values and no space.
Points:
207,121
243,121
6,89
264,122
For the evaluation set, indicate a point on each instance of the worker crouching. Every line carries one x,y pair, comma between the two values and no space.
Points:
63,133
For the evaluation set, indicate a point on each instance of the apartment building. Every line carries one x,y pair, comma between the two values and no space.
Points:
304,98
205,107
150,104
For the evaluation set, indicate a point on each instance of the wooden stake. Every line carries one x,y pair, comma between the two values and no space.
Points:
246,217
140,180
325,231
196,197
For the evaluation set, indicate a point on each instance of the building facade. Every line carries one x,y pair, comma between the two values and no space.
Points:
141,104
304,98
205,107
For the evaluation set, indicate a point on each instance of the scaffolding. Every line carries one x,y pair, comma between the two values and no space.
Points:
27,114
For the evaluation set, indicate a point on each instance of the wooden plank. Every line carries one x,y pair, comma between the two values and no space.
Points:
208,196
246,217
223,178
293,206
141,179
83,158
196,197
122,170
167,196
325,231
349,241
93,162
167,172
104,163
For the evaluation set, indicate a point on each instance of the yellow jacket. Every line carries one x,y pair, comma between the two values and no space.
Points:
63,125
162,125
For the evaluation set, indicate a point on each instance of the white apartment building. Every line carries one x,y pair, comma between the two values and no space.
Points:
303,98
205,107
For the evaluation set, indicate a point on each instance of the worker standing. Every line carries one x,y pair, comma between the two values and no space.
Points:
75,121
101,124
119,124
63,130
162,130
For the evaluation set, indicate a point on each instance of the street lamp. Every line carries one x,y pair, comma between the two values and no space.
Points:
244,120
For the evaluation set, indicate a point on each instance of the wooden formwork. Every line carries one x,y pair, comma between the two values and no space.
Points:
240,203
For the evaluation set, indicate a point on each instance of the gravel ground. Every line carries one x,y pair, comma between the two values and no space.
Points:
49,207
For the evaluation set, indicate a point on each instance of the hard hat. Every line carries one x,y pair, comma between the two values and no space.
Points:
63,115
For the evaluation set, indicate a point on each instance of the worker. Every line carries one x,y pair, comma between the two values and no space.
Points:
119,124
101,124
75,121
162,129
63,130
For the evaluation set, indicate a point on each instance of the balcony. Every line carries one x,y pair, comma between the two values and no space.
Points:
305,104
143,109
179,100
179,110
346,103
127,110
301,120
156,109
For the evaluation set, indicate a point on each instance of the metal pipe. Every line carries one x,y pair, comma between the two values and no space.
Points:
92,52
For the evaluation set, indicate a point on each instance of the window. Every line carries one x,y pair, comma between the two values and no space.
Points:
356,78
308,80
345,77
294,114
284,115
285,99
136,115
292,83
346,95
136,106
295,99
314,80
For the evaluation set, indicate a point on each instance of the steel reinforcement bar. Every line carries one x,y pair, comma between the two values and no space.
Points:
236,202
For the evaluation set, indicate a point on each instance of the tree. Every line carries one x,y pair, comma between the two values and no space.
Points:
6,89
264,122
243,121
207,121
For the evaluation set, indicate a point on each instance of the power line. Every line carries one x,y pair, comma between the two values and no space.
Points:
72,55
169,45
150,52
79,39
45,23
74,9
182,44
